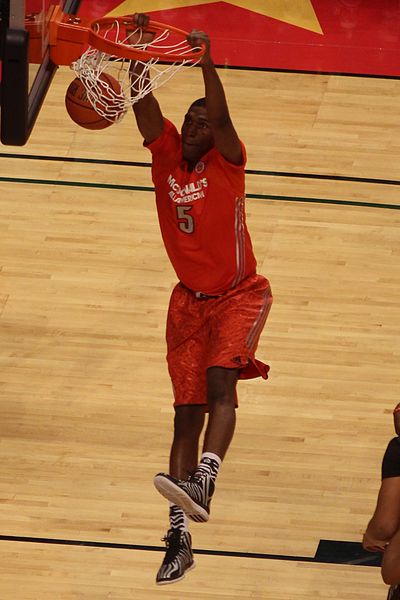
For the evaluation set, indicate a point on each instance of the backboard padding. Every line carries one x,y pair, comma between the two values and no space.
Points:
24,83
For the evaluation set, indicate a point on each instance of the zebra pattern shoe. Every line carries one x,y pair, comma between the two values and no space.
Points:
193,496
178,558
394,592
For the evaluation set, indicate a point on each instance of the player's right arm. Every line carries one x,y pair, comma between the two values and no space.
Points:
149,118
147,111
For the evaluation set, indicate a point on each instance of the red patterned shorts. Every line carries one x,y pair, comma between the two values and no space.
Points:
218,331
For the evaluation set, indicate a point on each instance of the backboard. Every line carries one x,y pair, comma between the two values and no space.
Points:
26,67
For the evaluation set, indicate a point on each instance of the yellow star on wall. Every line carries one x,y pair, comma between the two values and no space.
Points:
300,13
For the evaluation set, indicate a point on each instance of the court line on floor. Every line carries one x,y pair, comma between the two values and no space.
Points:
273,197
309,72
288,174
367,560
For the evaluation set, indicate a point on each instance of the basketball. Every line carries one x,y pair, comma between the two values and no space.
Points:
81,110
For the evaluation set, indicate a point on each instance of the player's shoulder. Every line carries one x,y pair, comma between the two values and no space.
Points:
169,127
169,130
225,163
169,137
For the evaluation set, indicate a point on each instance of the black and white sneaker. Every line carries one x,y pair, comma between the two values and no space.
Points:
394,592
193,496
178,558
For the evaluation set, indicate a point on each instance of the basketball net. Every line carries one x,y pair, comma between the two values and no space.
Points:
149,73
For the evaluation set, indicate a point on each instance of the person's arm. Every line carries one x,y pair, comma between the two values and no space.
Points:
391,561
396,418
391,558
147,111
386,518
226,139
372,542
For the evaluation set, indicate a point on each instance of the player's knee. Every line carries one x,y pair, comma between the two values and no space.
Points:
221,386
188,421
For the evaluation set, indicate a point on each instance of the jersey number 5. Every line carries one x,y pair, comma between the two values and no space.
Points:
185,220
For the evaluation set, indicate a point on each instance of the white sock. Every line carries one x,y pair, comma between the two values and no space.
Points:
209,465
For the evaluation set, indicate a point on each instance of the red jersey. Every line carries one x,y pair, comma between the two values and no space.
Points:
201,215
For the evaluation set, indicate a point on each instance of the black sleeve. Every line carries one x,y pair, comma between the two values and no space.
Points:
391,459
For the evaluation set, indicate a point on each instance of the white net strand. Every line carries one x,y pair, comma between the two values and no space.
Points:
106,101
93,64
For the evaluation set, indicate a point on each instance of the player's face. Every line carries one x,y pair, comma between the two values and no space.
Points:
197,137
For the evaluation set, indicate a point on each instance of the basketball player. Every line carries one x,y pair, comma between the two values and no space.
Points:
383,531
219,307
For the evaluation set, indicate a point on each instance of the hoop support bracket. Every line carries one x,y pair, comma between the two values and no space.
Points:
67,37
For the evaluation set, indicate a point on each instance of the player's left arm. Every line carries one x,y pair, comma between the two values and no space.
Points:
391,557
391,561
386,518
225,137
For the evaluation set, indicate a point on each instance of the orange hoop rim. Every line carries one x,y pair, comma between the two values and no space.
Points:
97,41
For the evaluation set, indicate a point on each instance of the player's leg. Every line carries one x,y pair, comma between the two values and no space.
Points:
194,494
221,399
187,339
188,425
235,322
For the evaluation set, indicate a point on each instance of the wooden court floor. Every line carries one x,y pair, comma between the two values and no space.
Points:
86,416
